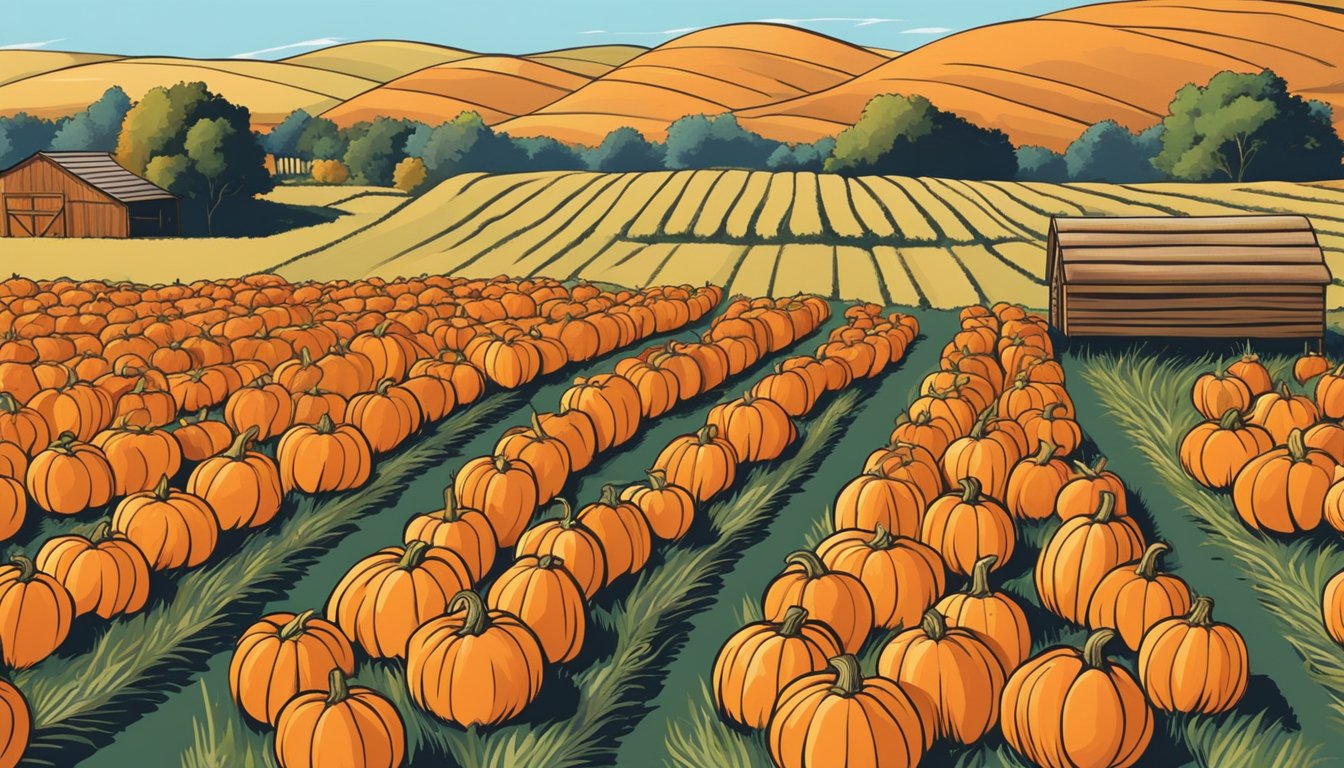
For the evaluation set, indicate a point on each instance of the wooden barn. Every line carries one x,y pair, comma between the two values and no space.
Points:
1197,277
82,194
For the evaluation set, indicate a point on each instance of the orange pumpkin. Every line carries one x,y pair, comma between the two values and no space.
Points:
1067,708
622,530
874,499
504,490
473,666
1080,496
993,616
383,598
201,438
1330,393
242,486
23,426
323,457
1079,555
668,509
1050,427
755,664
758,428
1213,452
1134,596
576,431
266,406
986,456
172,528
390,352
965,527
835,598
105,574
464,530
282,655
16,722
315,728
566,538
35,613
704,463
794,390
546,598
13,507
386,417
904,578
1034,484
1283,490
1214,394
1332,607
613,404
77,407
1308,366
1192,663
1326,436
924,430
546,455
1282,412
1250,370
69,477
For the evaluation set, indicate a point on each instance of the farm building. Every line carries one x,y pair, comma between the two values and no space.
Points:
1216,276
82,194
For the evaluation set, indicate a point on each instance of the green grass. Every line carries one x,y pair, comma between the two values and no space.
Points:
82,699
225,736
1241,740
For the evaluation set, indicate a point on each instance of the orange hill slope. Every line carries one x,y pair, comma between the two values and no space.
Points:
707,72
496,87
1043,80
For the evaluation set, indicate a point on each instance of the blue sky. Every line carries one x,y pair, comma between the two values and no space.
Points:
277,28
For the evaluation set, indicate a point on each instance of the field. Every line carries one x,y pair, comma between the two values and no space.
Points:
919,242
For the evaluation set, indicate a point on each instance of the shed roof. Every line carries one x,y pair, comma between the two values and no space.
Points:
1229,250
98,169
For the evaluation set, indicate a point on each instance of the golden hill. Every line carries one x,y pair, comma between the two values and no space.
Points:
1043,80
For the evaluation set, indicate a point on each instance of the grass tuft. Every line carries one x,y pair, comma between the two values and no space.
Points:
703,739
221,741
1241,740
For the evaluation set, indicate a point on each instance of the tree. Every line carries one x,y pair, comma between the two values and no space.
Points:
1108,152
372,156
409,174
909,136
96,128
23,134
283,139
1245,127
321,140
625,150
801,157
195,144
1041,164
466,144
546,154
698,141
330,172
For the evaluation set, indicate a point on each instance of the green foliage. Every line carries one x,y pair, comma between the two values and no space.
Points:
283,139
1108,152
374,154
320,139
1248,127
21,135
625,150
1041,164
97,127
801,157
700,141
909,136
545,153
466,144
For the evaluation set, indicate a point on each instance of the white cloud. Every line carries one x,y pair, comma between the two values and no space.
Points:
315,43
926,31
857,21
30,46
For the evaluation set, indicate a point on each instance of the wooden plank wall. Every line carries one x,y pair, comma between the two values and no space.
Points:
89,211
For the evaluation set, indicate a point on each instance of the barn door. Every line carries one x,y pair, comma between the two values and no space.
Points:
34,214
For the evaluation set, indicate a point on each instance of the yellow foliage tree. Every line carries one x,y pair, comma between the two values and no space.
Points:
409,174
330,172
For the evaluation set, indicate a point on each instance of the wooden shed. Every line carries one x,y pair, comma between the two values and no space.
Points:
82,194
1200,277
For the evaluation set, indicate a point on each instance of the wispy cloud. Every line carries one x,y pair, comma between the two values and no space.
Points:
677,31
926,31
857,21
315,43
31,46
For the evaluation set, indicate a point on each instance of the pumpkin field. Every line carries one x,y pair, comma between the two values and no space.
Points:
518,521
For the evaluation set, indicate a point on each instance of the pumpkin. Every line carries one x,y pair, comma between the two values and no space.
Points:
964,527
139,455
1330,393
1284,489
76,406
105,573
1133,597
323,457
1079,555
347,726
22,426
172,528
668,509
760,659
794,390
759,429
546,598
659,388
461,529
384,597
576,431
912,464
1067,708
874,499
390,353
386,417
1332,607
35,613
1034,484
621,529
904,577
473,666
949,672
569,540
613,404
1080,496
1214,394
546,455
1192,663
1308,366
13,507
16,722
504,490
1213,452
200,438
281,655
994,616
1027,395
985,456
69,477
1250,370
1326,436
1282,412
1050,427
934,435
242,486
835,598
262,404
703,463
842,720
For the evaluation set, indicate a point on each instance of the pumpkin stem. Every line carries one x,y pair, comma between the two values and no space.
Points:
325,425
1094,650
1201,611
792,625
501,463
337,688
451,513
549,561
102,532
1283,390
382,327
1105,507
882,538
1148,563
161,490
933,624
70,378
1230,420
414,555
980,576
657,479
240,444
568,519
1093,471
383,386
848,676
978,431
610,496
1297,447
7,403
1048,413
27,570
706,434
812,566
305,358
970,490
476,620
537,429
1044,453
295,626
63,442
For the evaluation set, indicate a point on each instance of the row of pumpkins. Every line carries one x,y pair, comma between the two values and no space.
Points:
234,486
983,446
1280,453
473,660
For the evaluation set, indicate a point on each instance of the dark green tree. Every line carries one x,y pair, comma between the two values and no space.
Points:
909,136
283,139
372,156
801,157
321,140
23,134
625,150
1041,164
700,141
97,128
1108,152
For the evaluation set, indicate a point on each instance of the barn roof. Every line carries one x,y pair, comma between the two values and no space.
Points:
99,170
1228,250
